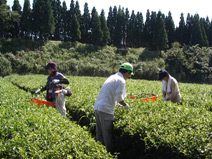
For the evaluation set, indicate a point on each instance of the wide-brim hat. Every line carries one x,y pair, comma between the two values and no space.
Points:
52,66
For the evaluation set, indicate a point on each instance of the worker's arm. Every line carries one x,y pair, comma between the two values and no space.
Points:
63,80
44,88
170,95
41,90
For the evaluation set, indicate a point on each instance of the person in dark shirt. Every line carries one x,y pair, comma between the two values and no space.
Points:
54,78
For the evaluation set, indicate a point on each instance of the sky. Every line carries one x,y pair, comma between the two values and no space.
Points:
201,7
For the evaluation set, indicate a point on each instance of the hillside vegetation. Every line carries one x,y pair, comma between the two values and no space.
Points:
186,63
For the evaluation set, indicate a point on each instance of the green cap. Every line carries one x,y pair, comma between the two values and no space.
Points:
127,66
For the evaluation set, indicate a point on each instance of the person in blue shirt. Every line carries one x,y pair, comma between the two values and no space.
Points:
54,78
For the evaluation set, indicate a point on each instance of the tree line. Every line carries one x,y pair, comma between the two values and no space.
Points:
50,19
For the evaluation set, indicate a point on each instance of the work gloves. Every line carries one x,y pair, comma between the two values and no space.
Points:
124,106
56,81
38,91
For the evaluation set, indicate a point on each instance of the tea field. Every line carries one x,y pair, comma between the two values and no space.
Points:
146,130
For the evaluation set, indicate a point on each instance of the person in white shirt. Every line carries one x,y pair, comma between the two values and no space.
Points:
170,87
60,95
111,94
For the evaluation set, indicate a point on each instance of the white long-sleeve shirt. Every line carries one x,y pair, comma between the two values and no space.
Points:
112,92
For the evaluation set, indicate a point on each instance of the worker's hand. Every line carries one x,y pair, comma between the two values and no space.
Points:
64,91
38,91
126,106
56,81
57,92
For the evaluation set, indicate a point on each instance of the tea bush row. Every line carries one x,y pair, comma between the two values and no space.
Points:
148,128
29,132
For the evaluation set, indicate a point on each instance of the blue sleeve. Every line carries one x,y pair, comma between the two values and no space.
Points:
60,76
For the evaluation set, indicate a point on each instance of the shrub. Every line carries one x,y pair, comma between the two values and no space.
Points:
5,66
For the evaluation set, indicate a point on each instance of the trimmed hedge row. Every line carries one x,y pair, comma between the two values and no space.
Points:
147,129
29,132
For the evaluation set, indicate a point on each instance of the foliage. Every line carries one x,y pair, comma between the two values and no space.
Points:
5,19
155,129
29,132
185,63
43,20
190,64
5,66
75,29
51,20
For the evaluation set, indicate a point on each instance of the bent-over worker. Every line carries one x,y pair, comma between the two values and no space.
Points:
170,87
111,94
54,78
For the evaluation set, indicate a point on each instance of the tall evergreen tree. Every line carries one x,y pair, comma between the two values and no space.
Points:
152,28
26,20
56,8
126,24
86,25
16,6
149,28
204,35
70,17
181,30
72,8
78,12
93,13
5,19
160,39
49,20
197,34
131,29
170,29
138,32
210,35
3,2
97,34
110,24
75,29
43,20
189,26
16,26
105,30
64,21
119,28
206,24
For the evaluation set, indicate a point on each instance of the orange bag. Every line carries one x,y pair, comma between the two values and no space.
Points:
153,97
43,102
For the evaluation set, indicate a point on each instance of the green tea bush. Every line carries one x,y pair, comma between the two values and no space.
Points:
29,132
149,129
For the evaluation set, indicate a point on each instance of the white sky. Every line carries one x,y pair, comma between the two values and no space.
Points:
203,7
